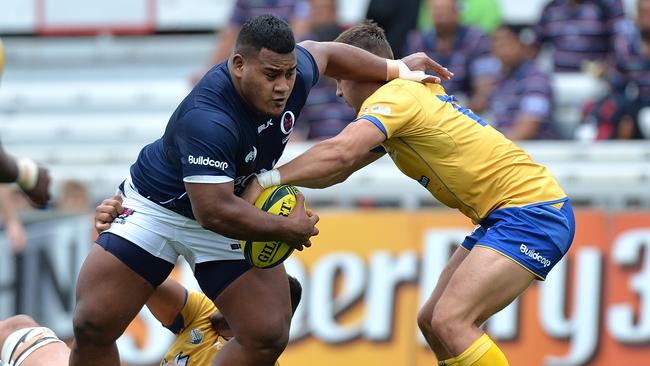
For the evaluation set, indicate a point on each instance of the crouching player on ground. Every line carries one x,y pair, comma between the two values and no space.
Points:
525,220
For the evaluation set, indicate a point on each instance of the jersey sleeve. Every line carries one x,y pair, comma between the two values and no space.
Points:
307,73
208,143
390,108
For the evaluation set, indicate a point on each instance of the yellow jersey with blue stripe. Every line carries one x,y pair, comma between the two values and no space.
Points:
197,343
464,162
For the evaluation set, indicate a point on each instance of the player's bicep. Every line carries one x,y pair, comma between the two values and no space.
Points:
360,137
210,201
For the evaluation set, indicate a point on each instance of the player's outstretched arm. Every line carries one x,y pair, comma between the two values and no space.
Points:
343,61
330,161
167,301
31,178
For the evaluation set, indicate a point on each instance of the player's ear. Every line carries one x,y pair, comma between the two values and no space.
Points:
238,65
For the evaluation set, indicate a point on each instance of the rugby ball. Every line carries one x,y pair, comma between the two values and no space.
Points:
277,200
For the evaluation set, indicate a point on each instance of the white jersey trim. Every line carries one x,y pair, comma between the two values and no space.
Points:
213,179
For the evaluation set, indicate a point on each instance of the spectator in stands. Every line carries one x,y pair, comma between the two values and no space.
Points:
616,115
397,18
74,198
293,12
462,49
522,99
581,32
11,222
324,114
483,14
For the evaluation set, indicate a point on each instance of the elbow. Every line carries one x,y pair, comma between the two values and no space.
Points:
344,158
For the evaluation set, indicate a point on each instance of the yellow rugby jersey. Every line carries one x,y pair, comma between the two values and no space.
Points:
464,162
197,343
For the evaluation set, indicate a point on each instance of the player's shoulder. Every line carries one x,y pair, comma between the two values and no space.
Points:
197,304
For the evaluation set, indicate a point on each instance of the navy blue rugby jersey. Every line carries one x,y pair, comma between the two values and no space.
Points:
214,137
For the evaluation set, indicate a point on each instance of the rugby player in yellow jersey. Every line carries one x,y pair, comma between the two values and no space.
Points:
525,221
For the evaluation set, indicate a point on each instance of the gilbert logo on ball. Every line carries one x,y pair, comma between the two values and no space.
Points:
277,200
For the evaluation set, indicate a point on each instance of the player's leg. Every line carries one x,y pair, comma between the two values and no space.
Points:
23,340
109,295
522,244
426,312
483,284
258,308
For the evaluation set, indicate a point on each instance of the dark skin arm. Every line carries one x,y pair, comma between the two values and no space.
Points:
237,218
341,61
39,195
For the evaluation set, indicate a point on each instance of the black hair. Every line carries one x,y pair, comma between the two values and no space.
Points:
295,289
265,31
369,36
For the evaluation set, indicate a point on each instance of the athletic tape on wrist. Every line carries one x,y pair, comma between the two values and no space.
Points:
27,174
269,178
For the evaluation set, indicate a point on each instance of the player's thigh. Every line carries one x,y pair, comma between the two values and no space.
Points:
484,283
426,312
257,305
109,294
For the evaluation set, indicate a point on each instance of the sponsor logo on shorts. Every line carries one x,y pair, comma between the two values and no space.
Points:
223,165
534,255
236,246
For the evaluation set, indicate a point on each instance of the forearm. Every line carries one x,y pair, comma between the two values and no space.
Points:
8,167
239,219
7,209
321,166
342,61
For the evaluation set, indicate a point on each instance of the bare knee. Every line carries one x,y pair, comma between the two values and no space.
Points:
447,324
270,338
424,321
91,329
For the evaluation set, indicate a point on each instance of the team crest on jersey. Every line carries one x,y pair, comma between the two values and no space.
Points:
196,336
251,155
287,122
122,218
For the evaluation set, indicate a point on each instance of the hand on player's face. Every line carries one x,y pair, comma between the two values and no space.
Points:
107,211
421,62
40,195
252,191
304,224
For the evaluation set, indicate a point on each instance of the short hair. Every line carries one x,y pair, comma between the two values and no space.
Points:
295,289
369,36
265,31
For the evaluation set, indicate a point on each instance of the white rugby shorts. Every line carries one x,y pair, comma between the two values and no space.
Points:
167,234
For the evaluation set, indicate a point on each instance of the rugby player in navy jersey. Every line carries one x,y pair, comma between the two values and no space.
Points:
182,195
